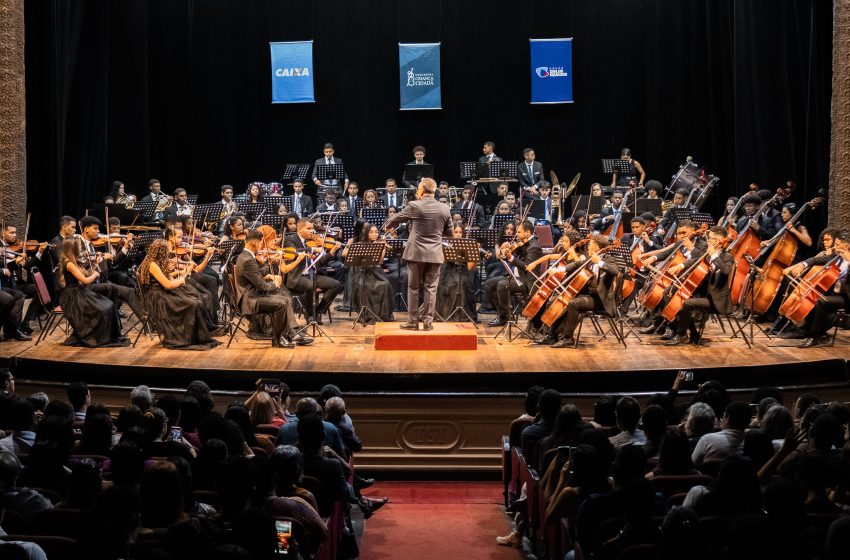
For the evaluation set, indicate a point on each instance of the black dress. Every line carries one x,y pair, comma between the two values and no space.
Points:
180,317
93,317
455,287
371,288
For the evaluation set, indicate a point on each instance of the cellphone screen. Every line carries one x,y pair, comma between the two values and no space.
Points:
271,388
284,534
176,433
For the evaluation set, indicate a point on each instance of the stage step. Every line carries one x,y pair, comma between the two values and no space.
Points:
445,336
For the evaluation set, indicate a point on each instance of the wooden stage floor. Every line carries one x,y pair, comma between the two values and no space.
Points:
496,365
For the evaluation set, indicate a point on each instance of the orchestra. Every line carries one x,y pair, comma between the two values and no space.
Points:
666,270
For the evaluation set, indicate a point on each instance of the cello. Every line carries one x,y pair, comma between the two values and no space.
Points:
691,280
550,284
653,292
571,287
808,290
615,230
748,243
783,248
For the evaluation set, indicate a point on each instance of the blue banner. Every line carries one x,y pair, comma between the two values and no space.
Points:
551,70
419,75
292,72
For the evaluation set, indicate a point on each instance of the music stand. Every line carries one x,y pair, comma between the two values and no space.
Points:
468,170
364,254
702,219
465,214
413,173
395,250
648,205
590,204
504,170
499,220
230,249
611,166
377,216
538,209
146,209
460,251
330,172
295,171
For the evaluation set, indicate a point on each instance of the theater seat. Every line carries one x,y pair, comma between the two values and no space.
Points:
56,548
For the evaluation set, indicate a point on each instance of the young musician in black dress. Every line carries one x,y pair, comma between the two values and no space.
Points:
93,317
456,282
178,312
369,284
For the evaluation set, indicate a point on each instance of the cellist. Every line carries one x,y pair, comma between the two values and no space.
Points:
822,318
598,294
609,213
712,295
563,254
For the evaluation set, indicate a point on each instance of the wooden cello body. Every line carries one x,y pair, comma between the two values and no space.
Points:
814,284
653,292
688,285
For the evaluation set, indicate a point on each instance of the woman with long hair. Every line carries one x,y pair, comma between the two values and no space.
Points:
92,316
255,193
178,313
370,287
455,288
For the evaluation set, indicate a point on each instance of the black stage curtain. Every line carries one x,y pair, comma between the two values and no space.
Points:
180,90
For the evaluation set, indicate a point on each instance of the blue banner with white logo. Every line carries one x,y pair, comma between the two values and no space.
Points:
419,75
552,70
292,72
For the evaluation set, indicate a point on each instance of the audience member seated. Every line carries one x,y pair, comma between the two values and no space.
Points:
142,397
80,398
22,500
674,457
158,442
639,500
728,441
654,421
700,420
288,434
239,414
628,417
22,421
736,490
84,486
96,437
548,406
565,429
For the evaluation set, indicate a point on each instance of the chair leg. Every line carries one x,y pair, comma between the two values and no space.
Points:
47,323
577,335
234,329
737,328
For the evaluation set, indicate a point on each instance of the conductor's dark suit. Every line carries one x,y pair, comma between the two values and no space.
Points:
301,284
255,295
428,222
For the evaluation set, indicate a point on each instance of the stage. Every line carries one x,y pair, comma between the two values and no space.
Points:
435,409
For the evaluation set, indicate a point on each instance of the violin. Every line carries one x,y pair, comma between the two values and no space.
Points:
112,239
31,245
315,243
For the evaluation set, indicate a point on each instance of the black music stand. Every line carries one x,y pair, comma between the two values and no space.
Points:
469,170
414,173
648,205
295,171
315,331
499,220
700,219
590,204
679,214
619,166
504,170
460,251
364,254
146,209
395,250
538,210
465,215
331,172
376,216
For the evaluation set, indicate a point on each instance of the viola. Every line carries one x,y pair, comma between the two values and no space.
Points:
31,245
186,248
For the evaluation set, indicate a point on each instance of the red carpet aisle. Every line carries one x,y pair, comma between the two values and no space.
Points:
428,520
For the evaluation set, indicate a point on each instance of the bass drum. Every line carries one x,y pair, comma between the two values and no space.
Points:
685,178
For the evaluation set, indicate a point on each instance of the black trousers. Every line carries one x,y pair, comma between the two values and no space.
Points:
575,308
303,288
11,308
276,305
823,316
685,315
498,292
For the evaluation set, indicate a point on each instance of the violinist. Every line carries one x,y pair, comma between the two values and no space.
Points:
456,282
370,287
178,312
597,295
712,295
234,229
90,227
119,266
291,224
205,286
19,266
824,315
67,230
304,279
93,317
514,257
11,301
258,291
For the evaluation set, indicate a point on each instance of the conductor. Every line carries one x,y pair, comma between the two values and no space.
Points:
429,221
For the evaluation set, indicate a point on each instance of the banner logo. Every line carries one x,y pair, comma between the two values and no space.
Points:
419,76
292,72
551,70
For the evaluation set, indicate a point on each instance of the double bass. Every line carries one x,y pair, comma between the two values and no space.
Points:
748,243
783,248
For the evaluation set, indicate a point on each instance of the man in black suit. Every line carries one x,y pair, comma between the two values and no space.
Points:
329,205
392,197
300,280
822,318
477,220
181,206
610,213
597,295
259,293
329,159
489,153
498,290
354,201
302,204
119,268
529,174
712,295
20,275
155,191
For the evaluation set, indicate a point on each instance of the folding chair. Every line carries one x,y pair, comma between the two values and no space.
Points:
55,315
237,315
